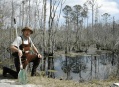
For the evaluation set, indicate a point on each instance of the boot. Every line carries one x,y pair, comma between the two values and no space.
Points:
33,72
4,72
11,72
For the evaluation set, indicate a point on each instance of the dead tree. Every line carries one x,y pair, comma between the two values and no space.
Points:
51,23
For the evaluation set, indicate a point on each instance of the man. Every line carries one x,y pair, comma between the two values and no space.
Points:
21,47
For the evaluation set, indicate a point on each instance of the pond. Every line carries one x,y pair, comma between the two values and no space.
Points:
86,67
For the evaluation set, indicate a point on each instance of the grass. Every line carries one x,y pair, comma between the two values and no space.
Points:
50,82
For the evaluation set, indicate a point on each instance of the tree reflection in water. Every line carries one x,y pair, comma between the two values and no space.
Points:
88,67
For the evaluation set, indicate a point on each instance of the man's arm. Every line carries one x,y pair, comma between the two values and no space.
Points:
14,46
15,49
36,51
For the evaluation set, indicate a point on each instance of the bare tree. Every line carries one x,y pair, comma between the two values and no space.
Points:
54,4
44,32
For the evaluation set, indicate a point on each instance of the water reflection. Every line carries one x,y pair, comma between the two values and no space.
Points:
85,67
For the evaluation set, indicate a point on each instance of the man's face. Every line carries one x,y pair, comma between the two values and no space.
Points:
27,33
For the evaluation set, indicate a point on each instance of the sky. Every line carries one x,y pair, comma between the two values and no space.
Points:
105,6
109,6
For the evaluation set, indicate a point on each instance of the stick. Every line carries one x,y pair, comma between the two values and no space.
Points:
21,66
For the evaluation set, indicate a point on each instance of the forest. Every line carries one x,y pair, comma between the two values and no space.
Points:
57,28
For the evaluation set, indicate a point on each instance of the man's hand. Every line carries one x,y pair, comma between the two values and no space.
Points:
20,53
39,55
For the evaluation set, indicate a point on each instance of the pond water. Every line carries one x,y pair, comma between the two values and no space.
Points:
85,67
